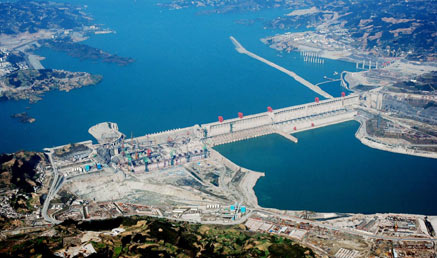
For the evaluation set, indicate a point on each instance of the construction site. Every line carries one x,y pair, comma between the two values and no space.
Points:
179,167
177,174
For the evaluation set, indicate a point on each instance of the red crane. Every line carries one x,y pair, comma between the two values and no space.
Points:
240,115
220,118
317,99
270,109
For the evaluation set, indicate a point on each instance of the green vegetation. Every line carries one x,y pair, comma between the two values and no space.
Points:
150,237
34,247
117,251
98,245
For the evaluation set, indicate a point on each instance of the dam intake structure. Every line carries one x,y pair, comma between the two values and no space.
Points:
162,150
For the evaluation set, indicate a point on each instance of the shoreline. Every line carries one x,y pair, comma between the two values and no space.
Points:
338,55
248,181
35,61
240,49
360,135
247,185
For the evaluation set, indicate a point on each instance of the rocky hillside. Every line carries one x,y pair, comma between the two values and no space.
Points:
32,16
150,237
388,28
18,170
31,84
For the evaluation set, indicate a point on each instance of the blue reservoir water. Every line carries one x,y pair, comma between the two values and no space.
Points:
188,72
330,170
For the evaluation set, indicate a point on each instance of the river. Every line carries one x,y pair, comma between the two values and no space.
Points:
188,72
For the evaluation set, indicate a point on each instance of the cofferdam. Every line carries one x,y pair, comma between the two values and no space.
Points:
299,79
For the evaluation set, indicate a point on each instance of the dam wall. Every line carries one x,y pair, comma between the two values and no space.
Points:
240,135
299,125
297,114
281,121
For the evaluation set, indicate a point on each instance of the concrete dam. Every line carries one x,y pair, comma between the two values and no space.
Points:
180,146
162,150
282,121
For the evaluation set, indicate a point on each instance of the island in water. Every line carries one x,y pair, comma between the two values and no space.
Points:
24,118
22,32
30,84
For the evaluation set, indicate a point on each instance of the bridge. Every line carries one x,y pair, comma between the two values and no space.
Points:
282,121
316,89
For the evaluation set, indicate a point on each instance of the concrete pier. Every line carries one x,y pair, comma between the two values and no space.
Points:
316,89
287,136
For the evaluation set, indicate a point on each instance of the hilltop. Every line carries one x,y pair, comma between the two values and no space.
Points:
150,237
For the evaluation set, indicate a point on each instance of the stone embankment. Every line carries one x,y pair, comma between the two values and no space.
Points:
248,181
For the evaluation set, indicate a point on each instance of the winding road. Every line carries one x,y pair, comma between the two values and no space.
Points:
55,186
